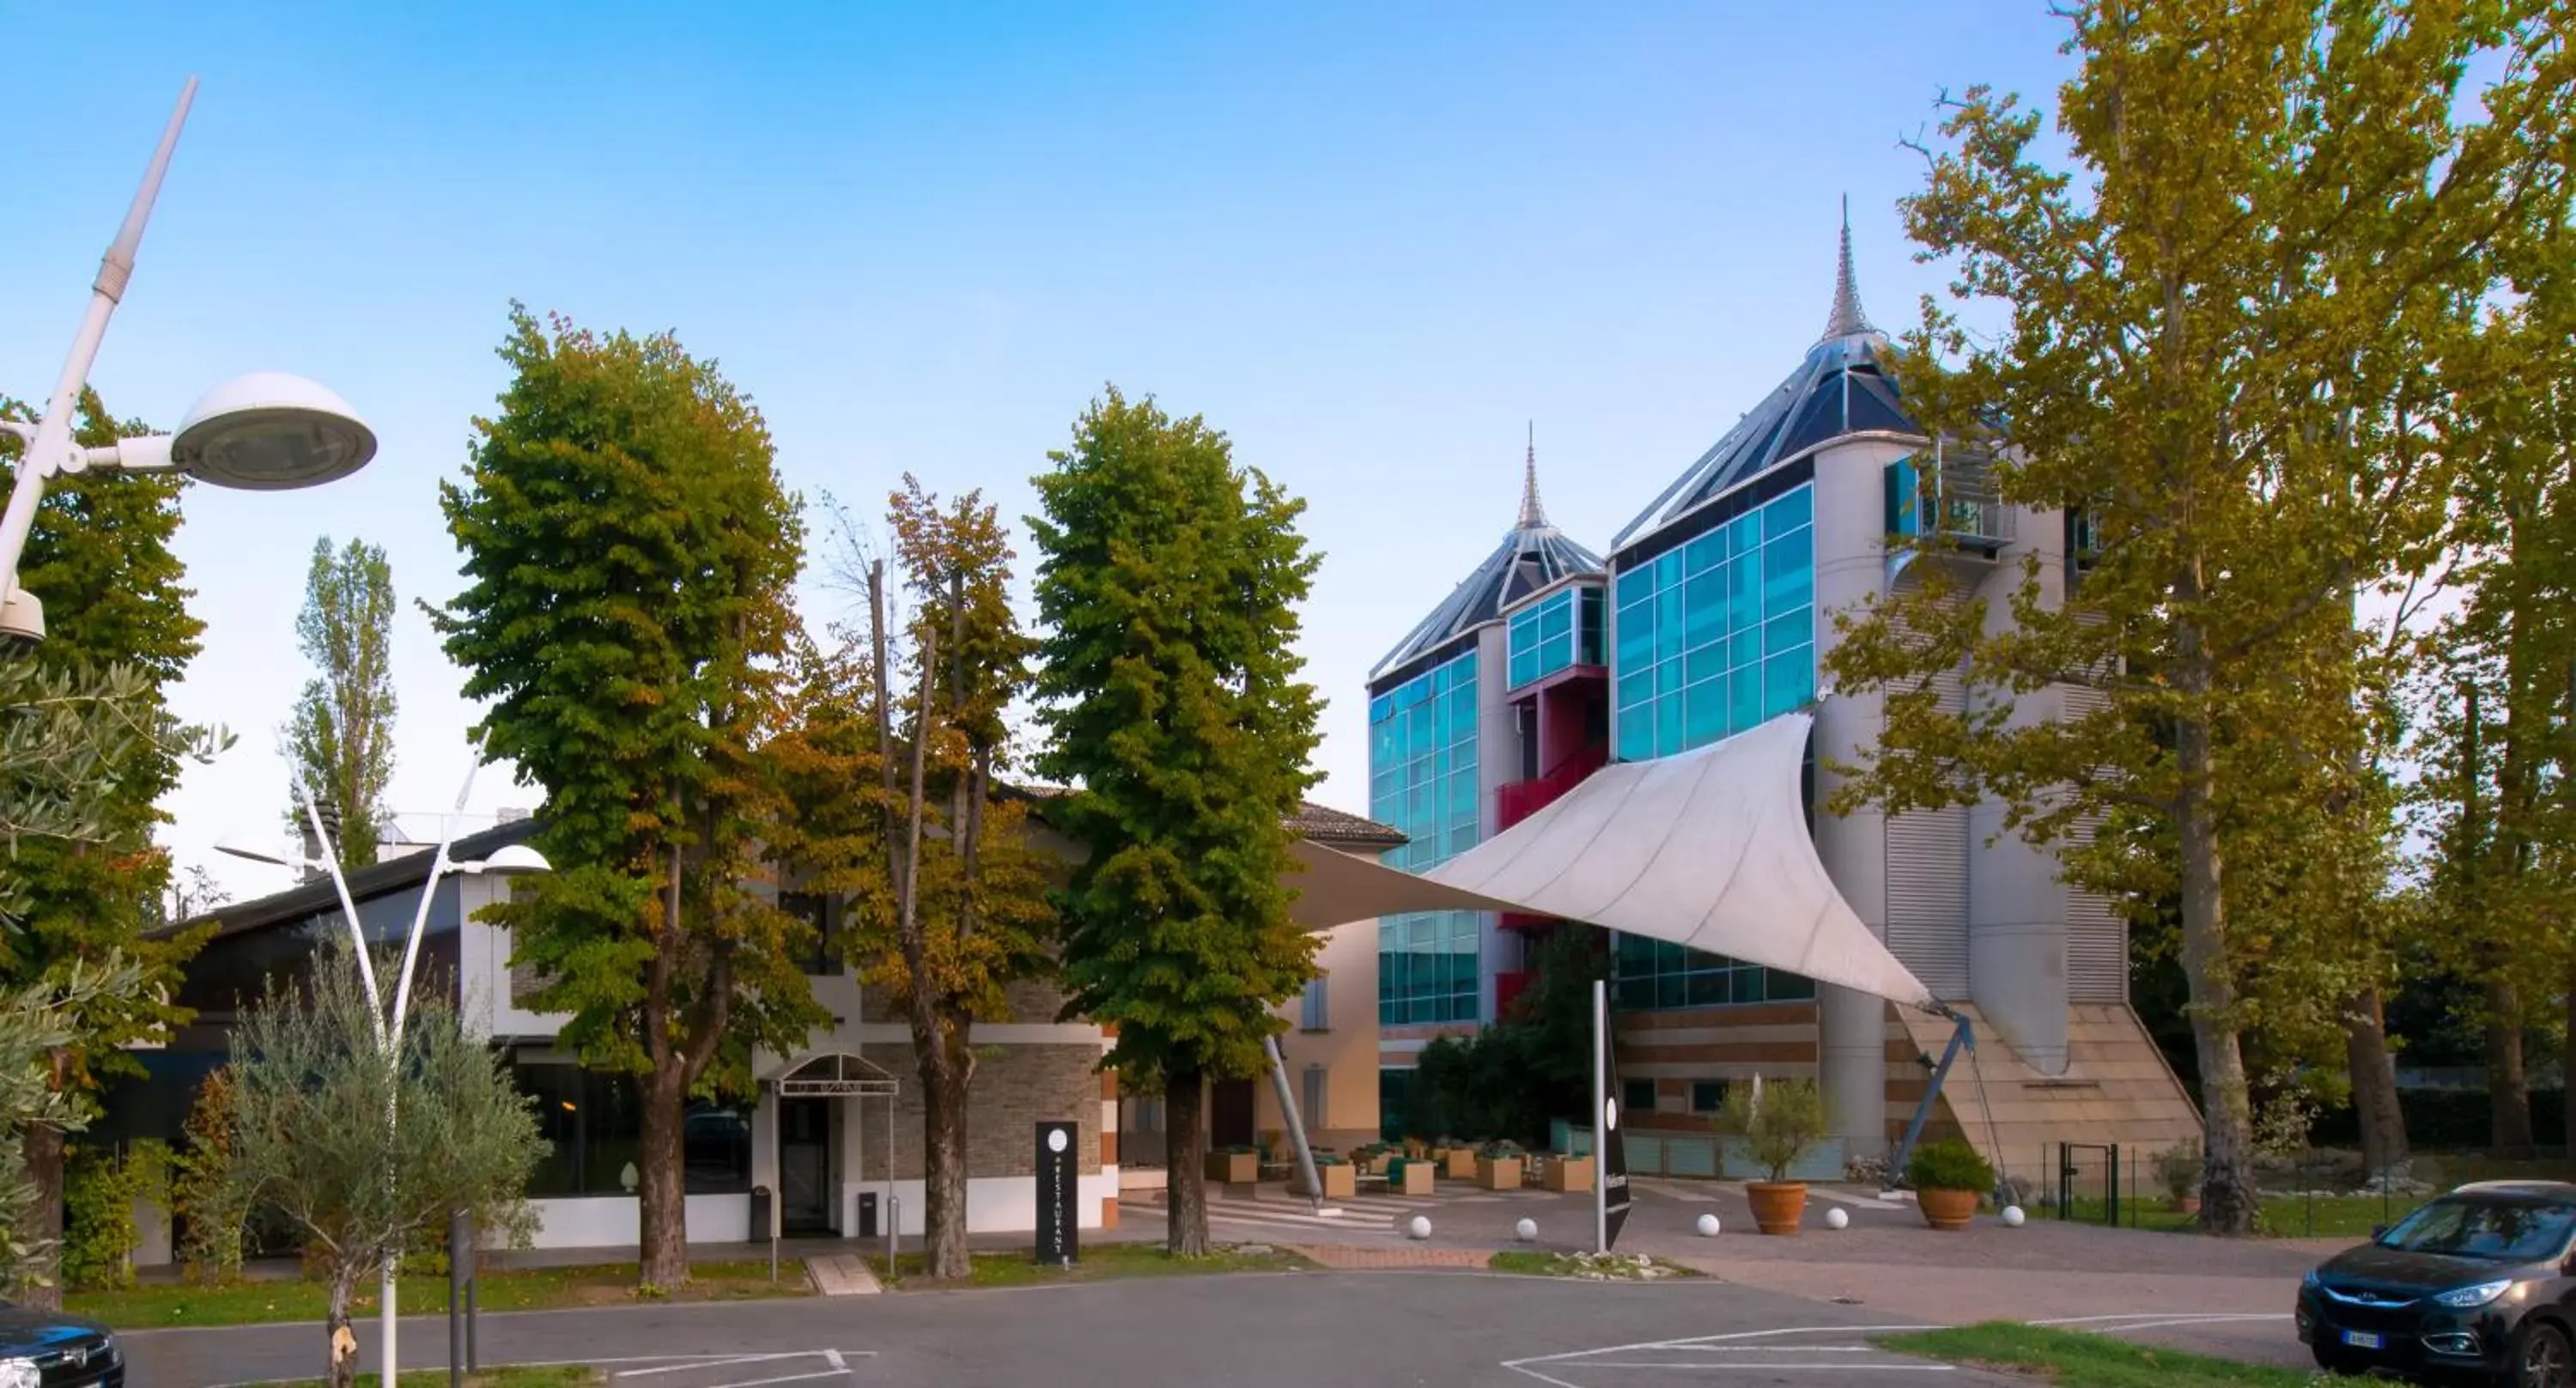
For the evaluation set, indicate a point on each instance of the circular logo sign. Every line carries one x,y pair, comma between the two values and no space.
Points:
1055,1139
1610,1114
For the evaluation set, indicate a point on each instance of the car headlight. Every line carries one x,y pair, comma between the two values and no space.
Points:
21,1373
2461,1298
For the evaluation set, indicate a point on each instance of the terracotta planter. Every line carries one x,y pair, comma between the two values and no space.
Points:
1498,1173
1777,1205
1340,1182
2186,1204
1569,1173
1459,1164
1414,1180
1947,1209
1234,1168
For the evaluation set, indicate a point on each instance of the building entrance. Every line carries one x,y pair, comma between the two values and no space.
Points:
805,1165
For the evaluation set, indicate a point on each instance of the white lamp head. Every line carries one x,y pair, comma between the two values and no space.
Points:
269,431
513,860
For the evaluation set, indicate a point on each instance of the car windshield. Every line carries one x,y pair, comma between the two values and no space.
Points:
2503,1230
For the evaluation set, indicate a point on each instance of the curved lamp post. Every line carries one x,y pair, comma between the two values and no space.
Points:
263,432
510,860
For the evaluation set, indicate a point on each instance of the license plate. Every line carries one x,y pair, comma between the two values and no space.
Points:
2363,1339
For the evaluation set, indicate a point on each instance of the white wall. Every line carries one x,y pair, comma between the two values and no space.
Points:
994,1205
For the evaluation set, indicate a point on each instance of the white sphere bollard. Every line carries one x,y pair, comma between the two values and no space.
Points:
1527,1229
1708,1226
2013,1216
1837,1218
1420,1228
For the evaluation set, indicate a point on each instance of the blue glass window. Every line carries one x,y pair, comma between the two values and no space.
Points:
1543,636
1422,781
1717,635
1651,975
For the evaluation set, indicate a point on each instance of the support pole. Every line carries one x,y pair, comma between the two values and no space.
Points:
1296,1123
1601,1118
53,436
1962,1037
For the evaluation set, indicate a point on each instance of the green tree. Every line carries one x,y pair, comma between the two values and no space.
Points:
312,1088
1168,586
2228,349
341,738
2499,734
38,1021
99,558
629,552
969,910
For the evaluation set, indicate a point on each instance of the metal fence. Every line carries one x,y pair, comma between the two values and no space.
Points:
2308,1193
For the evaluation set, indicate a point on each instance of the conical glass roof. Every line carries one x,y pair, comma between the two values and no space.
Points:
1533,555
1842,387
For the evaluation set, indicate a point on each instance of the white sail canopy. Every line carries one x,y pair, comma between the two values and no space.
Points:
1707,849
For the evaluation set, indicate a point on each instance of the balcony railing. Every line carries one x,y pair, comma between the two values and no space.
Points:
1954,499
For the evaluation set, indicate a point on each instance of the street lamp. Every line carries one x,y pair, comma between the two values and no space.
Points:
262,432
510,860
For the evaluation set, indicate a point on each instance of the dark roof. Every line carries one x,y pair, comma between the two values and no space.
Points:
1327,825
374,880
1533,555
1318,822
1841,387
1321,823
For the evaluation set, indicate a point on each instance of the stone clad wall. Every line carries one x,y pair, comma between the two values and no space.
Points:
1016,1088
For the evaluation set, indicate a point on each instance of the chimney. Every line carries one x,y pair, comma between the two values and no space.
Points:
314,849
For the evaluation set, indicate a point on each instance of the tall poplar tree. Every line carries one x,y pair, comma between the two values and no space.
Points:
1168,585
2232,315
342,735
118,629
629,550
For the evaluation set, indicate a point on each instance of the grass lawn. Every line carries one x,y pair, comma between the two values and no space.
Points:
1099,1263
517,1289
1530,1262
2073,1359
2284,1216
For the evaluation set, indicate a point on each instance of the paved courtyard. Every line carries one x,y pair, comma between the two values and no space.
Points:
1390,1309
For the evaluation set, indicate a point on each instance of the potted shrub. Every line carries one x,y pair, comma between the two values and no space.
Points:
1338,1177
1568,1173
1409,1176
2178,1169
1778,1123
1457,1159
1949,1178
1235,1166
1498,1166
1372,1159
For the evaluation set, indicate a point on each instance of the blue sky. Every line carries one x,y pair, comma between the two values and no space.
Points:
1369,242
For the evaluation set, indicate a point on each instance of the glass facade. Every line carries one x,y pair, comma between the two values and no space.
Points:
1422,781
1653,975
1714,636
1542,637
594,1123
1718,634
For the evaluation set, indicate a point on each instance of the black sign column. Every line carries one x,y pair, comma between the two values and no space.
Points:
1058,1187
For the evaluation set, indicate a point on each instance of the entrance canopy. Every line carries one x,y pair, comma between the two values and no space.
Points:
1707,849
834,1073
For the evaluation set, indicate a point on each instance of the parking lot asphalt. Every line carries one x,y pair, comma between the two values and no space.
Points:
1289,1330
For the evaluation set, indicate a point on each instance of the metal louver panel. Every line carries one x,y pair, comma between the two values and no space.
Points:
2097,937
1927,897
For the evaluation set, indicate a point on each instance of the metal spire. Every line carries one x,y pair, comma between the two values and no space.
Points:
1847,319
1533,516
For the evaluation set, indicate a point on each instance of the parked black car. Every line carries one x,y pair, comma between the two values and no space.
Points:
2477,1283
47,1349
